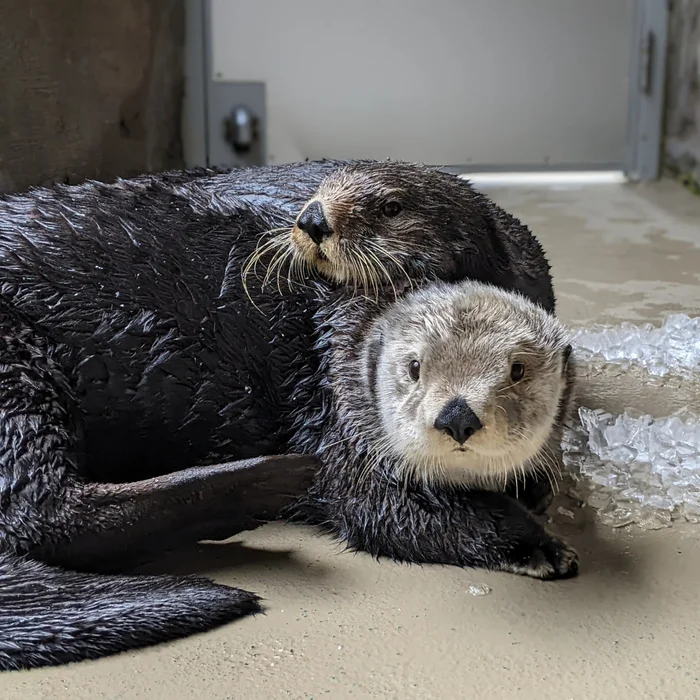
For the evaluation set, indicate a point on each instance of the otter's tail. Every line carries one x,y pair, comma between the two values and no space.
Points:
51,616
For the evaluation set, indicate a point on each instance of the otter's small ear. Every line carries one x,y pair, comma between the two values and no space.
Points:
372,353
567,354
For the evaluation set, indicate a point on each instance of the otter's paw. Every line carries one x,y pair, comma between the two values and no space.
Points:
553,559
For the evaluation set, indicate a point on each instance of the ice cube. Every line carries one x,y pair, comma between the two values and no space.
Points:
674,348
691,512
479,589
618,517
659,502
620,453
654,519
634,468
599,500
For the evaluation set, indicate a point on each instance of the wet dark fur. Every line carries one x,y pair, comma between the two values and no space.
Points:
128,351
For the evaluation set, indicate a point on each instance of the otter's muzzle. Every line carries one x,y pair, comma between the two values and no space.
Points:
458,420
312,221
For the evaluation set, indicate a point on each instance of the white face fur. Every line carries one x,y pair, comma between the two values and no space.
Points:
468,381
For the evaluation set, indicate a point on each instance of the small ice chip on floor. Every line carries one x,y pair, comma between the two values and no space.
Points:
479,589
566,512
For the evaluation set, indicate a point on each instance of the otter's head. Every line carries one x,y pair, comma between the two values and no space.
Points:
384,224
468,381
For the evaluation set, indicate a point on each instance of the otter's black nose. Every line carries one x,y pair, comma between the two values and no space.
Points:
458,420
312,222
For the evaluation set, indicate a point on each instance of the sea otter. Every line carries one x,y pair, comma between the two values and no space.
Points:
428,409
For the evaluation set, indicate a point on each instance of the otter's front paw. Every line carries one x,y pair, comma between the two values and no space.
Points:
550,560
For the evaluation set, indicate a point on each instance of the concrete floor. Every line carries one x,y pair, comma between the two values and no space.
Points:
343,626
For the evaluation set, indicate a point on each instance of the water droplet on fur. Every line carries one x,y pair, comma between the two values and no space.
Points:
248,389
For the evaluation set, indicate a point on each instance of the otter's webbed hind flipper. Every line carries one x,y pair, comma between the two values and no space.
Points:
50,616
122,525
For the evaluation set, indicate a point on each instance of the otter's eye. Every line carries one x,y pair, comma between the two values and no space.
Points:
517,371
391,209
414,370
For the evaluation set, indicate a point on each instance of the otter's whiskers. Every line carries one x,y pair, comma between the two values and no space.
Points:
380,250
279,243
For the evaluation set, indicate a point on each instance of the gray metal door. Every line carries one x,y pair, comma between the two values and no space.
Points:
487,84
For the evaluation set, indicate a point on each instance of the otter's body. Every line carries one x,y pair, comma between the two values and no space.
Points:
132,359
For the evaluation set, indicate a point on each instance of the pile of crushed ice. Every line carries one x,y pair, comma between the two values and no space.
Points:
635,468
672,349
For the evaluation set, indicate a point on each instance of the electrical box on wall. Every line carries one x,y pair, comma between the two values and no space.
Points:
236,123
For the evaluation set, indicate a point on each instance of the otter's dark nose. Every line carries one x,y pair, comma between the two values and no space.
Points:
312,222
458,420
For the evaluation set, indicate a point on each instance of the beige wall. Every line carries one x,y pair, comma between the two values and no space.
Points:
89,88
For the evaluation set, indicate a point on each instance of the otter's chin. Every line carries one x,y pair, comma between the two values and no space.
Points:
322,264
330,261
469,464
311,253
515,453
